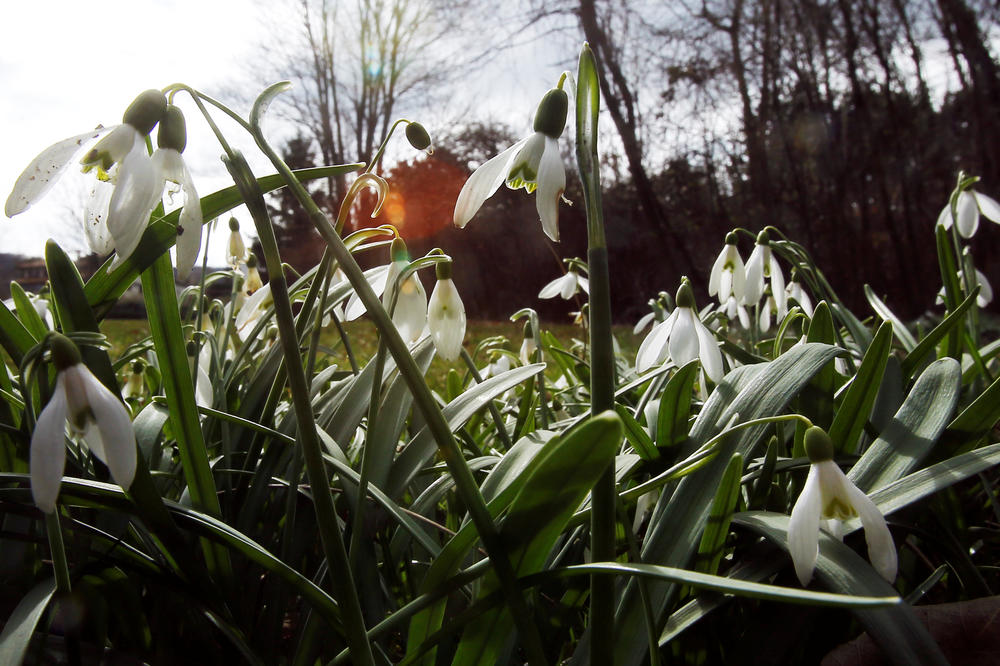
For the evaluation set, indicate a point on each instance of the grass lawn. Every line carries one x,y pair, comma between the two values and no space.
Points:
123,332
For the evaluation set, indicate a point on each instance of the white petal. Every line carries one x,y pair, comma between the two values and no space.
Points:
985,292
754,285
944,217
551,185
988,206
253,308
557,287
45,170
95,217
410,315
653,349
881,549
376,278
584,284
202,385
708,352
446,319
483,182
968,215
133,200
115,425
803,528
643,322
48,449
778,287
188,228
683,343
715,276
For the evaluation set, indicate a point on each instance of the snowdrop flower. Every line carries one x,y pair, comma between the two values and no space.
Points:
985,296
967,208
119,143
795,292
566,286
92,412
682,338
773,310
236,253
446,315
734,309
252,310
828,498
171,139
533,162
728,275
497,367
134,383
762,265
529,345
252,282
418,137
409,313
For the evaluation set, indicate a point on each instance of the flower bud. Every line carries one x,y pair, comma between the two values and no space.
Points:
172,132
145,111
763,238
64,351
443,270
685,295
234,224
732,238
818,445
418,137
550,118
398,251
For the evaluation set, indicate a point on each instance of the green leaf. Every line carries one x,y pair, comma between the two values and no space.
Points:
20,626
636,434
898,327
27,313
913,431
929,342
713,540
14,337
895,629
975,421
857,403
675,406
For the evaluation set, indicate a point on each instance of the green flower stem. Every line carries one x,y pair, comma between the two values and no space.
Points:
60,564
339,572
494,412
465,483
602,363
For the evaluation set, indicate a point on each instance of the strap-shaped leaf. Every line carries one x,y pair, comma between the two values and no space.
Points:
636,435
898,327
912,433
20,626
857,403
675,406
713,540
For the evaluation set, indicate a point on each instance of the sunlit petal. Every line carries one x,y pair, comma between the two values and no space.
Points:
881,548
803,528
988,206
653,349
43,171
551,185
133,200
708,352
115,426
968,215
483,183
446,319
683,343
48,449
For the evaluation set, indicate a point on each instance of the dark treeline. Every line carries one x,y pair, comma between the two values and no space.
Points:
829,120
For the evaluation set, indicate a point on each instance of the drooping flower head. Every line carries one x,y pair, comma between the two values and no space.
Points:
418,137
253,281
236,252
532,163
92,412
409,313
171,139
828,498
566,286
446,315
529,345
728,275
763,265
125,185
681,337
968,206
